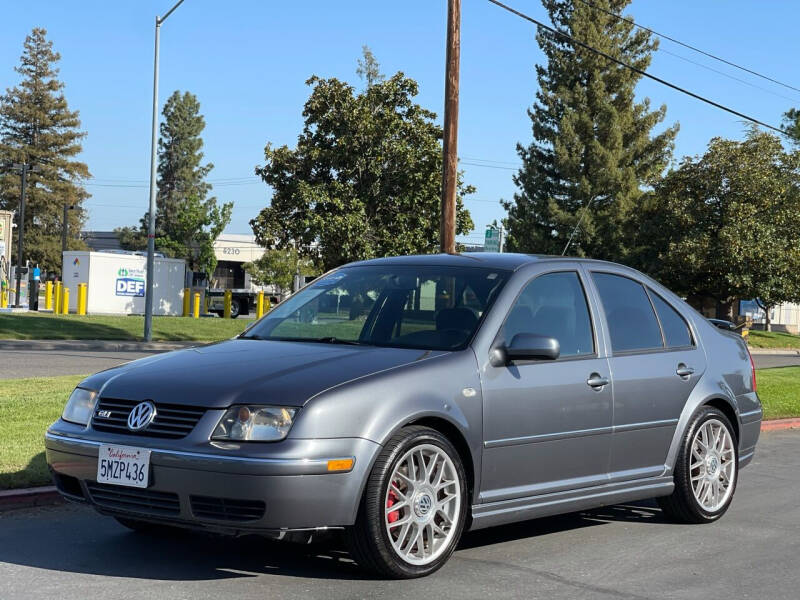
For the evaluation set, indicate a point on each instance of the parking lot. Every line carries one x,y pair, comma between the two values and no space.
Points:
616,552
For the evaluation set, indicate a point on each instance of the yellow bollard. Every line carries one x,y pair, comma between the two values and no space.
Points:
57,306
227,309
65,301
260,305
3,297
196,313
187,300
82,297
48,295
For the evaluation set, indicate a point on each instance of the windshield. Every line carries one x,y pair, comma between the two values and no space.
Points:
426,307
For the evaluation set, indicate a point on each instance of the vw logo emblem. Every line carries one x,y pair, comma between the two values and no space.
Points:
423,505
141,416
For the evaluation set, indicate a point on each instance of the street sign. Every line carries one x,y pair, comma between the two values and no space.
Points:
492,241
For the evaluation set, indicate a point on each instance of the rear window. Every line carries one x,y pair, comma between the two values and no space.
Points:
631,321
676,331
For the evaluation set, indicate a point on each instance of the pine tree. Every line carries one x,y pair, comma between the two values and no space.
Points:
592,154
37,127
187,220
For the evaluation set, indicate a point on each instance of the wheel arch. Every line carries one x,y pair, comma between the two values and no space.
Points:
715,399
456,437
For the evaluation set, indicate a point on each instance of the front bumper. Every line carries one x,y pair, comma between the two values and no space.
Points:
291,481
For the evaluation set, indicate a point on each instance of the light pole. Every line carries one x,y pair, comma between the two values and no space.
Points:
65,228
23,169
151,217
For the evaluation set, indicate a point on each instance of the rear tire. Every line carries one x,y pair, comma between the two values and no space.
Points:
414,506
706,470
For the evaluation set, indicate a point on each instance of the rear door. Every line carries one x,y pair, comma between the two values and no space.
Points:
546,427
655,363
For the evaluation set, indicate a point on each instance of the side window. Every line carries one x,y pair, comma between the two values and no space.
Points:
631,321
553,305
676,331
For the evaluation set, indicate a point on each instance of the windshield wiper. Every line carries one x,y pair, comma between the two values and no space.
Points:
334,340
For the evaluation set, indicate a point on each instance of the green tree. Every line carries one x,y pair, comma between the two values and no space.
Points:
368,67
364,179
196,225
791,124
187,220
724,225
37,127
278,268
592,153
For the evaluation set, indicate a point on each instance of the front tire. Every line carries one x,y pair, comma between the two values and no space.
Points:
706,471
414,506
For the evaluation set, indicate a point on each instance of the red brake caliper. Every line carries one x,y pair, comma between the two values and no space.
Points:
391,500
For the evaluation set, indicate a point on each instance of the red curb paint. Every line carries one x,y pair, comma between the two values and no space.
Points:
780,424
28,497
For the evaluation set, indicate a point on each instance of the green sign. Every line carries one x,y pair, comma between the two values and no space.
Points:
491,241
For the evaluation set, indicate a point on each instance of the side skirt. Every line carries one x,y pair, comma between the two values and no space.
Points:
532,507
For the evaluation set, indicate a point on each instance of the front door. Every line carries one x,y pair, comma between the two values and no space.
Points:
547,424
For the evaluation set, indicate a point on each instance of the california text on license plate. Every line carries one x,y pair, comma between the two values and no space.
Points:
123,465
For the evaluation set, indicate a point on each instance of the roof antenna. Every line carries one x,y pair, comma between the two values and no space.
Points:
577,226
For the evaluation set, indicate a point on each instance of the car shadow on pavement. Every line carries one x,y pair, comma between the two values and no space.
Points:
75,540
646,511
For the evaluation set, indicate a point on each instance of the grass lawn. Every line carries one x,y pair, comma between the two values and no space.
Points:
773,339
28,406
779,390
33,326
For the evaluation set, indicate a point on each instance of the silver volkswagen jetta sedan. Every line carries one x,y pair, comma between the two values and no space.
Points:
406,400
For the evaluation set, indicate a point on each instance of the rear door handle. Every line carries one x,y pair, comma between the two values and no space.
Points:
684,371
597,381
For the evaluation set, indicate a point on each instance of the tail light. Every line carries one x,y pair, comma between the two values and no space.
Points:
752,370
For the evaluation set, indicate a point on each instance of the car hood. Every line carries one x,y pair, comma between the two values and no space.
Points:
247,371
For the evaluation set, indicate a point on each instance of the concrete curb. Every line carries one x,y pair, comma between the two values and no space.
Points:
780,424
96,345
775,351
29,497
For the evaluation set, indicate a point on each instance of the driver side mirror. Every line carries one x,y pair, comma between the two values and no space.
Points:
526,346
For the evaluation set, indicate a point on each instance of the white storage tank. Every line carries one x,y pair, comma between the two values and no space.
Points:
117,282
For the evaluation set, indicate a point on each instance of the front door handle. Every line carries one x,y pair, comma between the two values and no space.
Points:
597,381
684,371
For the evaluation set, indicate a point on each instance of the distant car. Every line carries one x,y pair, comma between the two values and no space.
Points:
723,324
405,400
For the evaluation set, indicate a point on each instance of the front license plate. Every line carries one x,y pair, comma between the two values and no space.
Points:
123,465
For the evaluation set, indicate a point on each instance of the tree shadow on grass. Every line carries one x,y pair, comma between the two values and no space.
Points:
34,474
45,327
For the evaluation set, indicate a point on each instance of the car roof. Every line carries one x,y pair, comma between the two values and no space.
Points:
493,260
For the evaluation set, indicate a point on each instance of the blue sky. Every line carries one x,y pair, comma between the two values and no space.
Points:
248,60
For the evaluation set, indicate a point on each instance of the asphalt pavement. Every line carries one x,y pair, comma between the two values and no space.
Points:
15,364
619,552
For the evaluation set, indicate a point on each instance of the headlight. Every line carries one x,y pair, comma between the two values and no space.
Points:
255,424
80,406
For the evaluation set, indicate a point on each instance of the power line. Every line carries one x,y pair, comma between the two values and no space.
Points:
685,45
637,70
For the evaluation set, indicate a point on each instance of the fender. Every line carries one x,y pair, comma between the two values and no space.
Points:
704,392
364,409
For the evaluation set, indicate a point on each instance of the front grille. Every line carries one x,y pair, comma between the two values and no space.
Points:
227,509
134,499
171,421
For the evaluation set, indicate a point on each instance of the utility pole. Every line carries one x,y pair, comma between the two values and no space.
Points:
151,217
23,169
447,232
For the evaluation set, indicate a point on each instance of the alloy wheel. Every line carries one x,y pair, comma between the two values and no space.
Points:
422,504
